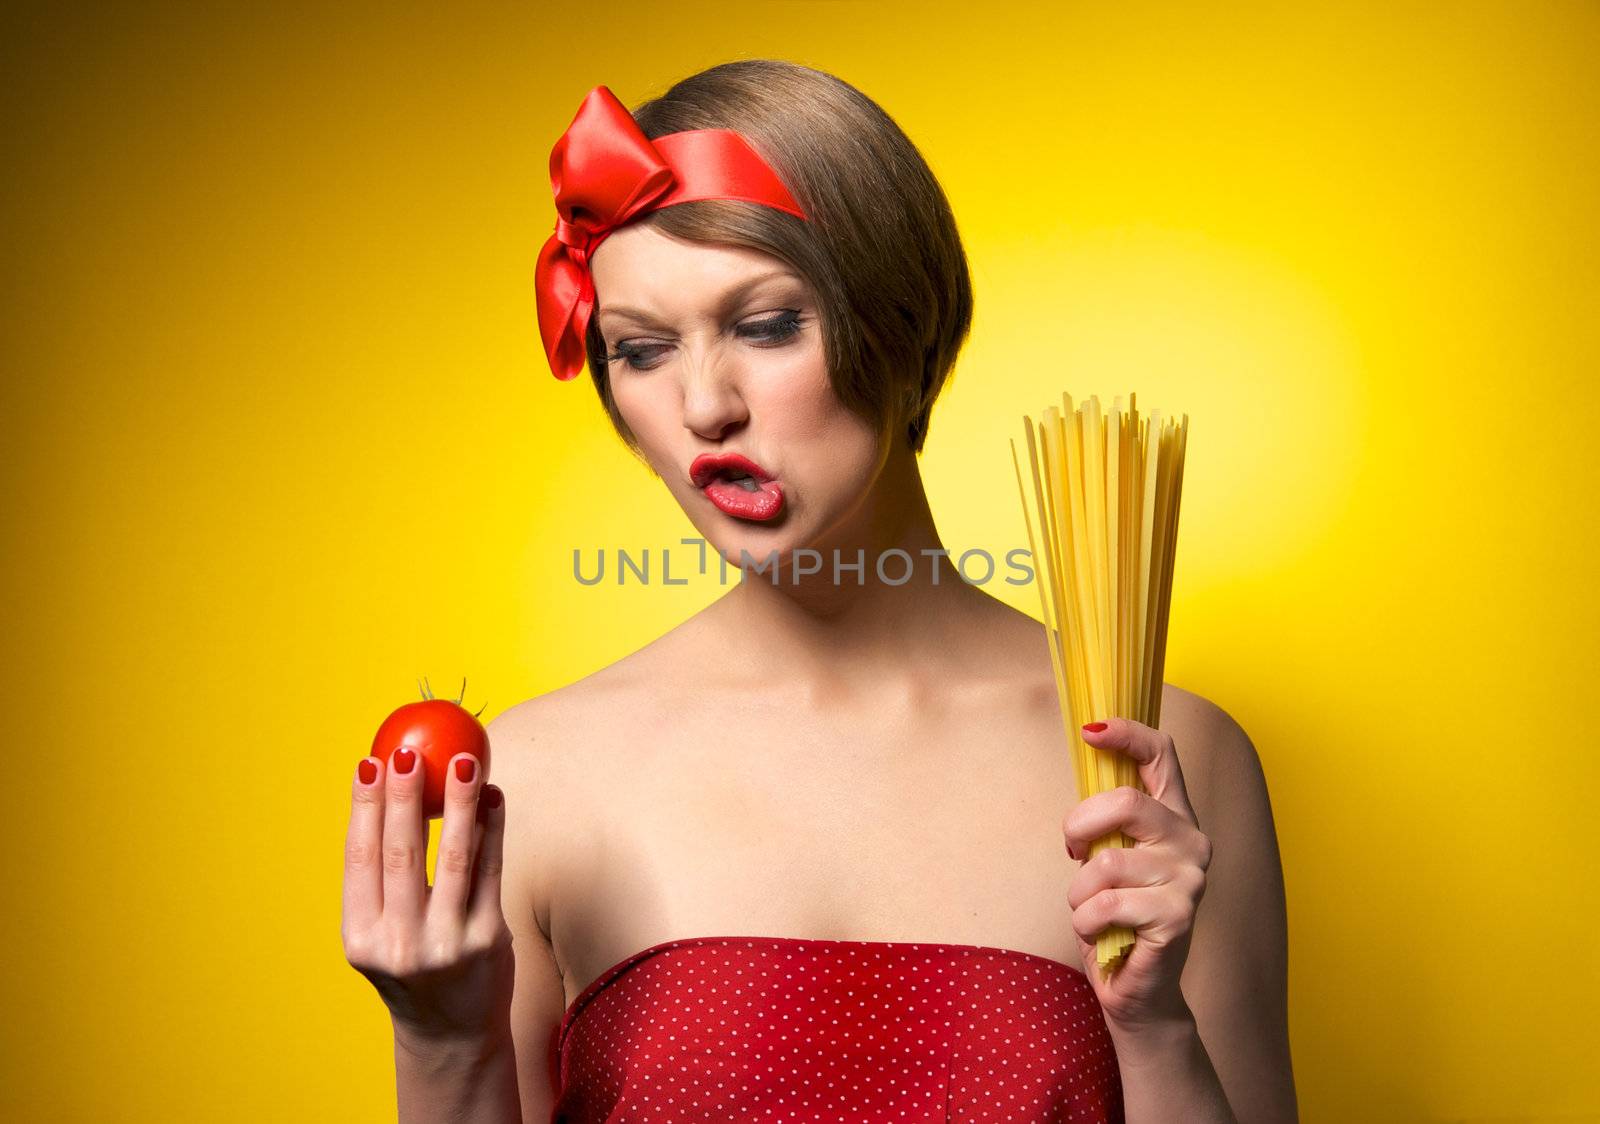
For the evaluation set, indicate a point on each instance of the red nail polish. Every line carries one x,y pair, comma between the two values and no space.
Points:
465,768
1095,727
405,759
491,796
367,770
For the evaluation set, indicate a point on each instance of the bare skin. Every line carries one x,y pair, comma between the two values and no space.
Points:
920,806
923,803
842,760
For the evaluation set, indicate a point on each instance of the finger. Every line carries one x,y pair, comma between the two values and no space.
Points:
484,913
1137,814
1155,754
452,870
363,848
1130,867
1155,913
405,836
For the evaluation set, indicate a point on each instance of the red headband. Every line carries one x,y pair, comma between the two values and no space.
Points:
606,172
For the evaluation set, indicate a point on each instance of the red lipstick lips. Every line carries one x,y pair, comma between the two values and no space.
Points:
737,485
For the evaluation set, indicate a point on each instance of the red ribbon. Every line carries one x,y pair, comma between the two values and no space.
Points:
606,172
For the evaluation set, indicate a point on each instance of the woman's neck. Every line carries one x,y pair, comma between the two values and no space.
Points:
905,608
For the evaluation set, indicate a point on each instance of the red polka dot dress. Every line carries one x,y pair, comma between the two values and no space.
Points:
784,1029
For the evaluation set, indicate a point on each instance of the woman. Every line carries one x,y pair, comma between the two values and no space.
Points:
816,852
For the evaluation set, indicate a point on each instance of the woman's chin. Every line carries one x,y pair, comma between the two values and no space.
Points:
785,543
728,533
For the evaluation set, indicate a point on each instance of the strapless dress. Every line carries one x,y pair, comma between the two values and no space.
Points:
801,1031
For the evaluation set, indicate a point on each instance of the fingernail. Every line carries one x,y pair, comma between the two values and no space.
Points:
1073,851
405,759
367,770
1094,727
465,768
491,796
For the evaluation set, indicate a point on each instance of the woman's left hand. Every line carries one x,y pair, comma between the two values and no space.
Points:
1153,887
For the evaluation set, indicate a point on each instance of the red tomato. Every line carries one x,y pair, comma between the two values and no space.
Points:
437,729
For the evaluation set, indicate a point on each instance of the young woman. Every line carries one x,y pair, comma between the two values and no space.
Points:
814,854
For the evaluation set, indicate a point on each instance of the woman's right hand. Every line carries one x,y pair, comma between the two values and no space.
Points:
440,957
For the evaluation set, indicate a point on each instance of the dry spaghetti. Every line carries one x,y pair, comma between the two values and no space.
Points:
1105,491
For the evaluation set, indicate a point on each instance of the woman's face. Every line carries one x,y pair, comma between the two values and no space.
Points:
716,351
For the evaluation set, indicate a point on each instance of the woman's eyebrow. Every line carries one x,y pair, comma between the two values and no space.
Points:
729,299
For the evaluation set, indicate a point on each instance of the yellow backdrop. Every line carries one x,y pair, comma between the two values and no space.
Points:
282,439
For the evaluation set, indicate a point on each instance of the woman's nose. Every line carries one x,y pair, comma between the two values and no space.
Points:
713,406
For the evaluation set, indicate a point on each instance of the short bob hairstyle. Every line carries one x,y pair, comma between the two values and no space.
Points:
880,248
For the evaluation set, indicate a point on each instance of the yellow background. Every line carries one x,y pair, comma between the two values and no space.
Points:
281,439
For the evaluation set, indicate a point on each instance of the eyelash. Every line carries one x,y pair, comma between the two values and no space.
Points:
774,331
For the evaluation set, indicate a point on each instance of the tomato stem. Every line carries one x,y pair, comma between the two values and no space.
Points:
426,690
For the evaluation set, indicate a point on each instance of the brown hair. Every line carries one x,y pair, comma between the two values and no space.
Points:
880,247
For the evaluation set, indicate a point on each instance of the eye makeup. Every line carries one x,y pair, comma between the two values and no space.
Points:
769,331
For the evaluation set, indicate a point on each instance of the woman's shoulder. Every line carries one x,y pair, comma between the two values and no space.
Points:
1213,748
584,712
598,707
555,755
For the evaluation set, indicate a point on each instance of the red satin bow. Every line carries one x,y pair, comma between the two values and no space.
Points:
606,172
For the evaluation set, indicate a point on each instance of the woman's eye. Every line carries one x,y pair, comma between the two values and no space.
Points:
769,332
636,354
775,329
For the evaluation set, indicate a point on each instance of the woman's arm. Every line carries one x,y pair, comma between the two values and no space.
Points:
503,1076
524,739
1168,1075
1198,1010
538,1000
474,1082
1236,979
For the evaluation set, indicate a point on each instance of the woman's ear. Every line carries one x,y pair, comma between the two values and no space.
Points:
903,425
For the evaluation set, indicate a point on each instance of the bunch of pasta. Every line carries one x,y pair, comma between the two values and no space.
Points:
1104,495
